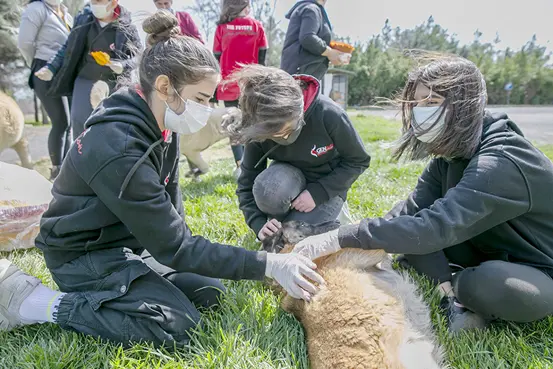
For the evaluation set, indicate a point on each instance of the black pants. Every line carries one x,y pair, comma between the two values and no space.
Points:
237,150
495,289
124,297
58,138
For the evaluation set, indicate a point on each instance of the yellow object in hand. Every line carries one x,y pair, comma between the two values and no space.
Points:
101,57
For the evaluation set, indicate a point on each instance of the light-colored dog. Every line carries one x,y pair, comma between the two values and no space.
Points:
367,316
12,125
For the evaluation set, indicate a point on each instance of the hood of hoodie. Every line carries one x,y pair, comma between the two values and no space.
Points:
311,90
495,123
127,108
302,3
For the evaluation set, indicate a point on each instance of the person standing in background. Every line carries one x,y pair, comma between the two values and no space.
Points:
103,26
307,44
186,23
45,26
239,40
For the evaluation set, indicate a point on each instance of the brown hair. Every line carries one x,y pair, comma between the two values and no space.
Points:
269,99
231,9
462,85
183,59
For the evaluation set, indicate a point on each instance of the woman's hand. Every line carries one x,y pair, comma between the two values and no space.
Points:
317,246
304,202
116,67
291,272
44,74
269,229
334,56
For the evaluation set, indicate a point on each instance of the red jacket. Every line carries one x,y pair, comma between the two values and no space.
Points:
187,26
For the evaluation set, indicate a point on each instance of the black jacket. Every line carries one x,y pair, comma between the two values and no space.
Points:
500,201
67,62
309,33
118,187
328,151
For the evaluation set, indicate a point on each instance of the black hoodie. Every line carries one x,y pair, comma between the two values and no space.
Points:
118,187
309,33
500,201
328,151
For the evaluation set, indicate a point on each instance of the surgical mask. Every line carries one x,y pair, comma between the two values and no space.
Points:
101,11
53,2
193,118
426,124
292,137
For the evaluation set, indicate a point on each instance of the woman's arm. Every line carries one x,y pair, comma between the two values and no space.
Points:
254,217
31,22
146,210
491,191
311,22
354,159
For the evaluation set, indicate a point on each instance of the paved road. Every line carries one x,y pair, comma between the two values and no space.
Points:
535,122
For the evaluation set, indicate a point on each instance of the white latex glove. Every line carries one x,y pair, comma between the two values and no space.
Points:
320,245
44,74
290,270
116,67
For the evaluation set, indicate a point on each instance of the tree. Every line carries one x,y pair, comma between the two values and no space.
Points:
74,6
11,62
208,12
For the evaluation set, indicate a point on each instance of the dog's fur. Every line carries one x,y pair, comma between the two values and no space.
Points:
12,124
192,145
367,316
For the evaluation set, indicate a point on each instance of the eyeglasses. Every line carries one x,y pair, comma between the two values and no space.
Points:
288,132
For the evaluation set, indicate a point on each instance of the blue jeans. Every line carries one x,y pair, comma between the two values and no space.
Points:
277,186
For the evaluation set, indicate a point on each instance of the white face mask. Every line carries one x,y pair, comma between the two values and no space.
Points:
101,11
194,117
54,3
425,122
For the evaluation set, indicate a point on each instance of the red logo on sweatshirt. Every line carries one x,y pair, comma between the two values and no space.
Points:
166,181
78,141
320,151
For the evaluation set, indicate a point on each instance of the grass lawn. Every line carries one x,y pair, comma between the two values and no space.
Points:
250,330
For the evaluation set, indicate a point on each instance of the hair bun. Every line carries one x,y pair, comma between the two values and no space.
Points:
160,27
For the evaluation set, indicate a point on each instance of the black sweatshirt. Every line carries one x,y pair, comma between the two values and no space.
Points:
328,151
500,201
309,33
99,39
118,187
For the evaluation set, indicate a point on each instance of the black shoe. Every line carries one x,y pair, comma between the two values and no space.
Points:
460,318
54,172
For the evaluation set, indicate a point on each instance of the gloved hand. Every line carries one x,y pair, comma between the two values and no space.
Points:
116,67
290,270
320,245
44,74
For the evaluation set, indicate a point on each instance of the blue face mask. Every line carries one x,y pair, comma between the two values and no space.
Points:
428,122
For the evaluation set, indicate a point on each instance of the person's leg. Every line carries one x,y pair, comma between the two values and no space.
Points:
204,292
237,150
507,291
276,187
56,111
80,106
114,295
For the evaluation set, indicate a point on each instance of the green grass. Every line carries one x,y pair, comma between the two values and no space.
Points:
250,330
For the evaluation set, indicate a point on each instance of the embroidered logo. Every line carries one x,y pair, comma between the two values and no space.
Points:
112,47
320,151
166,181
78,141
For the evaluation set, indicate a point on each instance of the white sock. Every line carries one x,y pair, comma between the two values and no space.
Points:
41,306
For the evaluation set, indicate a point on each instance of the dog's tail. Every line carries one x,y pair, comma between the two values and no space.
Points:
100,90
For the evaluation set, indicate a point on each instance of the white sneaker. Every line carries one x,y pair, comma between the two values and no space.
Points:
15,287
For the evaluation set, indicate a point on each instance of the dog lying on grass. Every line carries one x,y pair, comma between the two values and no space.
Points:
367,316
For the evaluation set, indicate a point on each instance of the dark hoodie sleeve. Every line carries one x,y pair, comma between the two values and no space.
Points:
254,217
428,190
354,159
311,22
492,191
146,210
